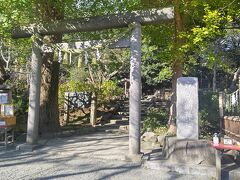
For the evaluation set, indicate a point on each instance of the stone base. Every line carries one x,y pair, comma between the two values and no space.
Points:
27,147
134,157
195,170
188,151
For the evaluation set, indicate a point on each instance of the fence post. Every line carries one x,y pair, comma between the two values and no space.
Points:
239,82
221,110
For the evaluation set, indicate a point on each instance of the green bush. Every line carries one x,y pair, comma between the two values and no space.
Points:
109,91
208,113
161,130
155,118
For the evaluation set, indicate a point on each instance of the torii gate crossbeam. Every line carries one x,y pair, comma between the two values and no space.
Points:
97,23
137,19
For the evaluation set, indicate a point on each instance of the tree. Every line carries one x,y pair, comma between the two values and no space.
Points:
204,39
18,13
48,11
96,75
178,62
198,25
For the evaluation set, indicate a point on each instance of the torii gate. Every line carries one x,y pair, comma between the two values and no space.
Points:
136,19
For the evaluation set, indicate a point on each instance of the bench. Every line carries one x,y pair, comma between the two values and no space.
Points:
220,150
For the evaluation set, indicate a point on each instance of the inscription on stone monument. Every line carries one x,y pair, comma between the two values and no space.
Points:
187,108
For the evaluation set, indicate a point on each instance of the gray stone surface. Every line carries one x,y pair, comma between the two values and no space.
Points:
27,147
160,140
149,137
188,151
34,93
187,108
197,170
135,90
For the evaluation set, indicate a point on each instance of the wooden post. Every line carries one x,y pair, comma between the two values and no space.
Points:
66,108
34,93
221,109
135,91
93,111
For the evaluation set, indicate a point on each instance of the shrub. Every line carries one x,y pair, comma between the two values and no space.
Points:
155,118
208,113
161,130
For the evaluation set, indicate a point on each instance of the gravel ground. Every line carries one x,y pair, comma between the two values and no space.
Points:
88,157
17,165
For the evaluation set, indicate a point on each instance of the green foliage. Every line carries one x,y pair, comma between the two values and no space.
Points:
206,24
161,130
208,113
109,91
154,119
157,53
93,77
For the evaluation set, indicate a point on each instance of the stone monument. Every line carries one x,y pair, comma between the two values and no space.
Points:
186,148
187,108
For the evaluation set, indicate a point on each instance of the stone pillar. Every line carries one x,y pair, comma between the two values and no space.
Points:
135,90
187,108
34,93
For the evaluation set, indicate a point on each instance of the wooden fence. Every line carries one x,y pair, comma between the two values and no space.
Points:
229,106
232,127
232,103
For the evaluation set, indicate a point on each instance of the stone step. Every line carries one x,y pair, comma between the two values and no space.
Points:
110,126
116,131
119,122
125,118
124,127
116,116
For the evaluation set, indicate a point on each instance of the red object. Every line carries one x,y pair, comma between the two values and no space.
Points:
223,146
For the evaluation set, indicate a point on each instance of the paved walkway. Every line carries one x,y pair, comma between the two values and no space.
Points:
94,156
97,145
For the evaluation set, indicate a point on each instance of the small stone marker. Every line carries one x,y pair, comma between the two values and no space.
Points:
187,108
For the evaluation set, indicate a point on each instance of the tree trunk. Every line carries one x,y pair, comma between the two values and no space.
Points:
49,115
93,112
49,11
214,78
177,65
3,74
177,69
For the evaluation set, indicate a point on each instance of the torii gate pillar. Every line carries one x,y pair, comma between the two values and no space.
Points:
135,90
34,93
34,97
